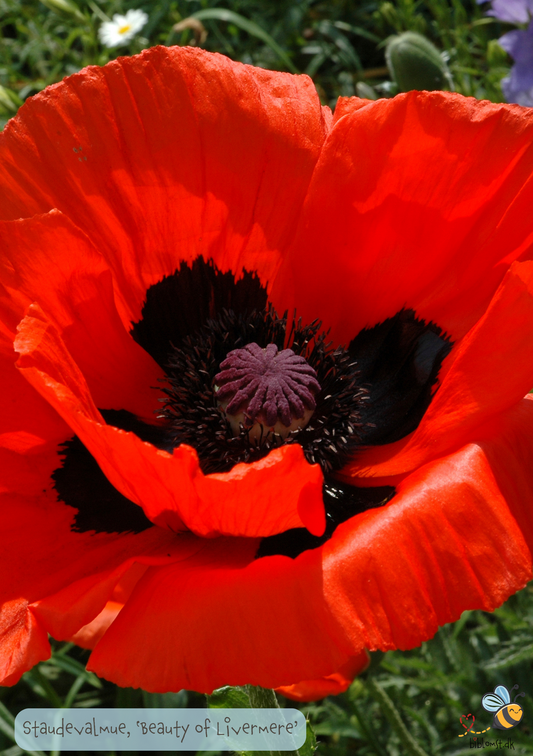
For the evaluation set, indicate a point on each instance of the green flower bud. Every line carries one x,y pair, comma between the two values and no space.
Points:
415,63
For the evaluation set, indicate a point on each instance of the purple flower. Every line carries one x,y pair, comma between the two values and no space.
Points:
512,11
518,86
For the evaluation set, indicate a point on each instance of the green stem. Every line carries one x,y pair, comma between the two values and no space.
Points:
250,696
368,731
264,698
411,747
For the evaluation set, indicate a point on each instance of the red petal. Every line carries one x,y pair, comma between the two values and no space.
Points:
437,549
77,292
422,201
290,496
40,555
386,579
345,106
222,618
477,384
331,685
26,420
58,579
23,642
171,489
81,601
165,156
89,635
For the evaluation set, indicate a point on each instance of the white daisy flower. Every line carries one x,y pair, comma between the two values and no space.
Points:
121,29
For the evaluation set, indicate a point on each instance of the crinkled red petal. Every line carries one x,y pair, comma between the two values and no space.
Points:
74,606
165,156
40,554
420,201
458,535
171,489
347,105
23,642
26,421
331,685
58,579
261,622
77,293
89,635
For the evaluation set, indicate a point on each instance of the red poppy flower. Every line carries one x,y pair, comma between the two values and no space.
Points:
180,492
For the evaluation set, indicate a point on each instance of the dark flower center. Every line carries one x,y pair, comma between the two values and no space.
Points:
200,323
266,387
265,395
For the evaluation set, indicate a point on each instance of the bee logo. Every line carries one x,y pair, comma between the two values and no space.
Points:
507,714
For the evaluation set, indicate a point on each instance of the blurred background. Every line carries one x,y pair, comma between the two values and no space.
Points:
341,44
406,703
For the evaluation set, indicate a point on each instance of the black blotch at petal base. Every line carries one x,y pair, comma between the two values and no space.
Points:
81,484
341,502
398,363
182,303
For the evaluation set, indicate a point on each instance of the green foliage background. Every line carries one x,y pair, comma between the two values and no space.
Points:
407,703
337,42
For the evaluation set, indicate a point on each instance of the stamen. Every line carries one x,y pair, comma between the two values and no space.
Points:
195,415
272,390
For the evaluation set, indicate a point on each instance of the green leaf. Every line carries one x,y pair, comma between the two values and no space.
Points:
222,14
65,7
7,722
310,745
7,726
229,698
73,667
42,687
350,57
9,101
254,697
73,692
315,63
14,751
410,746
510,655
261,698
